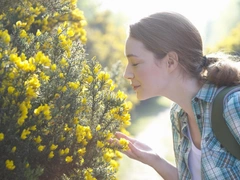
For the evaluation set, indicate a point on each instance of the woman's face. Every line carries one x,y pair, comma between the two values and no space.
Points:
147,74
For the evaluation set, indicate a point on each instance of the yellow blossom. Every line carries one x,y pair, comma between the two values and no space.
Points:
24,134
66,151
41,148
89,79
53,147
81,151
61,152
33,128
62,138
88,174
51,155
64,88
98,127
61,75
23,34
124,143
69,159
38,139
6,37
27,165
13,149
97,68
1,136
100,144
114,164
59,30
9,164
70,32
121,95
103,76
38,33
53,67
11,75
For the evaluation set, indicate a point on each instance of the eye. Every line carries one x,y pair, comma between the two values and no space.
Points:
135,64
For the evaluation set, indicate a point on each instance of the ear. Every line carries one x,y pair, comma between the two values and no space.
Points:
172,61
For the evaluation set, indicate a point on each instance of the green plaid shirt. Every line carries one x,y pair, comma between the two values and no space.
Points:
216,162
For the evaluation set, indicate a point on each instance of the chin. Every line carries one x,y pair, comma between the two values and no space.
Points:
142,97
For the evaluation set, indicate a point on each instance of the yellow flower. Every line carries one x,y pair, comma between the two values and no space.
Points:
51,155
121,95
66,151
9,164
70,32
24,134
59,30
98,127
103,76
53,147
100,144
23,34
61,152
13,149
89,79
11,75
41,148
38,139
124,143
64,62
97,68
53,67
1,136
81,151
74,85
64,88
114,164
62,138
61,75
6,37
69,159
88,174
33,128
27,165
38,33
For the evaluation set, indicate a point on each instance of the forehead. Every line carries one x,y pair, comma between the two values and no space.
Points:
135,47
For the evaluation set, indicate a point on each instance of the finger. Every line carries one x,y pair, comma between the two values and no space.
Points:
133,152
121,135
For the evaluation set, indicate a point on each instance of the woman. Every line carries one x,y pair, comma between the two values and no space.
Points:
165,58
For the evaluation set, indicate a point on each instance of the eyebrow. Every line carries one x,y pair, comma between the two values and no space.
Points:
131,55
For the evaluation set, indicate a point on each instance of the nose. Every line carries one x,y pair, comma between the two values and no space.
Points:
128,74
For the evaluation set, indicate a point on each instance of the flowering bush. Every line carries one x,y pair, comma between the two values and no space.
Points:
58,109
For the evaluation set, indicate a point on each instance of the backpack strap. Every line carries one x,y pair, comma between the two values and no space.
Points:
219,126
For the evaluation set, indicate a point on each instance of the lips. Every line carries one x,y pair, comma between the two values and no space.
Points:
135,87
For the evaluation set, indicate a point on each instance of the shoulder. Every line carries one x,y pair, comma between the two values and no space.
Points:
231,113
232,101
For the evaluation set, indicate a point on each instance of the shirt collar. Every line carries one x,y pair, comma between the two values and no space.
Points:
206,93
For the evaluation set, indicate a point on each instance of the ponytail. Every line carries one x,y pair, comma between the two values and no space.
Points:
222,70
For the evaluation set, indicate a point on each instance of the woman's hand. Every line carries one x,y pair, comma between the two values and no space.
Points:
143,153
138,150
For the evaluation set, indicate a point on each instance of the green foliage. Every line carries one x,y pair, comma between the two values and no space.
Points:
106,40
106,34
58,109
232,42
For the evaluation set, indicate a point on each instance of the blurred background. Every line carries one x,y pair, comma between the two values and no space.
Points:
219,24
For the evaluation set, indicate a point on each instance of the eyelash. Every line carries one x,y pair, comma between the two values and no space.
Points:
135,64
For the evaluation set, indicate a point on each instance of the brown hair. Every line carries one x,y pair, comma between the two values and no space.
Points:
166,31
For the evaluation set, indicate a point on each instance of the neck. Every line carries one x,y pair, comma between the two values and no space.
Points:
182,93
